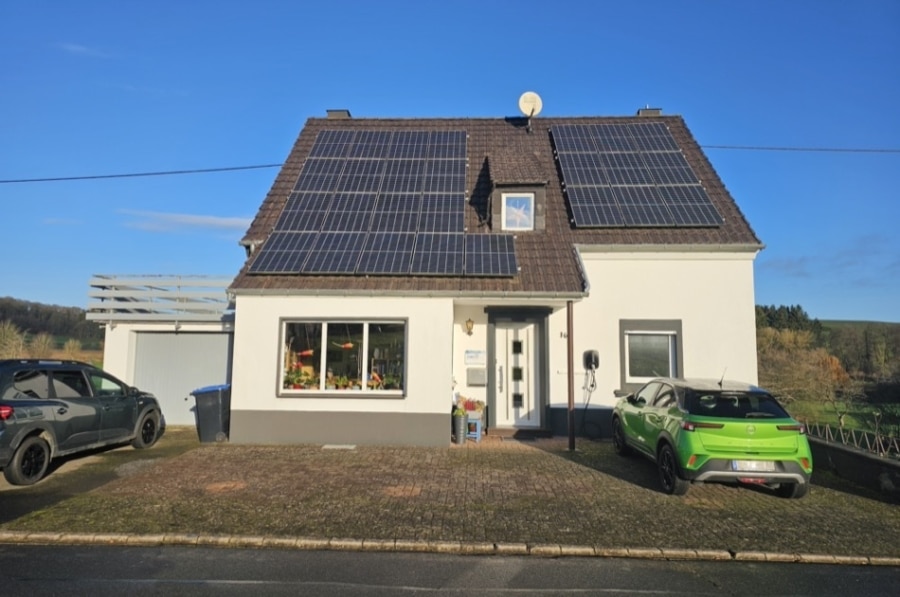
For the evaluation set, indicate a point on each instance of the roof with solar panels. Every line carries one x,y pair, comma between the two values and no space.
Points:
407,206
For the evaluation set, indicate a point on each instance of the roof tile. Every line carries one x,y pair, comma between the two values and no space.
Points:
500,151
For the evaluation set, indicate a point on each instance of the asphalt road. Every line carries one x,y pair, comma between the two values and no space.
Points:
99,571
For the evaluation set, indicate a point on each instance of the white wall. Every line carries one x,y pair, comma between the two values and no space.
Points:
710,293
256,368
463,342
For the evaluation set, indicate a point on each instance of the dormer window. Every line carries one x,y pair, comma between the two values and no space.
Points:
517,211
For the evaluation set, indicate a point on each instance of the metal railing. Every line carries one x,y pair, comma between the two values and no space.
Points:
874,443
151,298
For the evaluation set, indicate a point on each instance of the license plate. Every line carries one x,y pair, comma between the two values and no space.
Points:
763,466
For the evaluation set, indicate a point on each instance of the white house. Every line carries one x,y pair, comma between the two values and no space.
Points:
396,262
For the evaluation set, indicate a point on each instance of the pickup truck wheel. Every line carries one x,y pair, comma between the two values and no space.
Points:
668,472
29,463
148,432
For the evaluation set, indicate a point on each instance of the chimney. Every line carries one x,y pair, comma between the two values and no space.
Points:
648,111
338,114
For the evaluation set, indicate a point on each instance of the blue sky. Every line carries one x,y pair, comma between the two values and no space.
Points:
120,86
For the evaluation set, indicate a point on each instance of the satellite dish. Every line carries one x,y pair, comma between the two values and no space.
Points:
530,104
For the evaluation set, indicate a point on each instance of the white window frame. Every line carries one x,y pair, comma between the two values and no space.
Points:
673,354
321,357
504,214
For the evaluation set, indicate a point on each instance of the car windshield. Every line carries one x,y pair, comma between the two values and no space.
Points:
733,405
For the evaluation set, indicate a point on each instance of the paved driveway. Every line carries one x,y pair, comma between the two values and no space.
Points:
509,492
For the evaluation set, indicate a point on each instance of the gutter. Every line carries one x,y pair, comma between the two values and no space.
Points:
536,296
671,248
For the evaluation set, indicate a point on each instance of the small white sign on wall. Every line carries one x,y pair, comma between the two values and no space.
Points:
476,358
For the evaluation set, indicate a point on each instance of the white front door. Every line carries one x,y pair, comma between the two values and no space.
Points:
515,373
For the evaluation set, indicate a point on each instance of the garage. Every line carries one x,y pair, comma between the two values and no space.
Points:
171,365
168,335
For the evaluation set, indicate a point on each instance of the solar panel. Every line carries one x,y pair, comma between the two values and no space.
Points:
490,255
629,174
360,176
332,144
408,145
383,203
441,221
438,255
319,174
401,221
303,212
387,253
335,253
283,253
370,144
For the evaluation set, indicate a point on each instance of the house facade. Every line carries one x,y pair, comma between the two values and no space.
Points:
399,263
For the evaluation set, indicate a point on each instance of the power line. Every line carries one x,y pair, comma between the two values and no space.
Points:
137,174
805,149
261,166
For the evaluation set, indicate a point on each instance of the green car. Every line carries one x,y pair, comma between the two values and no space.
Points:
699,430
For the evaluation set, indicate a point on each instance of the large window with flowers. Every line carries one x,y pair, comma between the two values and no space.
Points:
343,357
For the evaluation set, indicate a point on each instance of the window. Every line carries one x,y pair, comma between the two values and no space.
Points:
104,387
343,357
70,384
646,394
650,355
666,398
649,349
33,383
517,211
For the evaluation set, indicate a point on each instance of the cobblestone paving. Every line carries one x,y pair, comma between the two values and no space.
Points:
535,492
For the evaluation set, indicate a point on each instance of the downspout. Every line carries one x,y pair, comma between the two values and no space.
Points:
570,350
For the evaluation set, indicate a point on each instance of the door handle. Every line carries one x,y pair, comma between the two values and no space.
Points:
500,379
62,410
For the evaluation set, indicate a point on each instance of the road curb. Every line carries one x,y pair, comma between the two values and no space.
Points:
546,550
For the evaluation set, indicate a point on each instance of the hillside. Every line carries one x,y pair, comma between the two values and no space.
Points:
62,323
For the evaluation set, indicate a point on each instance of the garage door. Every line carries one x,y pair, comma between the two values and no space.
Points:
172,365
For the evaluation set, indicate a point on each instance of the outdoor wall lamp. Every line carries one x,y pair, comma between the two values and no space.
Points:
469,326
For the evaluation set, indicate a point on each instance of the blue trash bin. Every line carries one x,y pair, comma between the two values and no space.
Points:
213,411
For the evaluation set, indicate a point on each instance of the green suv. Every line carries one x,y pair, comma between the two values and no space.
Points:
700,430
54,408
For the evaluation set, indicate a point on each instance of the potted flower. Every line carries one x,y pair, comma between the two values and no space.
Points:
473,408
292,377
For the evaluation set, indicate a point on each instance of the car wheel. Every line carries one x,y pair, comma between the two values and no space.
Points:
148,432
792,490
618,434
29,463
668,472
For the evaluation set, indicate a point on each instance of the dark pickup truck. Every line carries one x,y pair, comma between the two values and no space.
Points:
56,408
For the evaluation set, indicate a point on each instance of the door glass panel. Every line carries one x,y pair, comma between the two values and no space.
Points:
517,347
517,374
105,387
70,384
518,400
